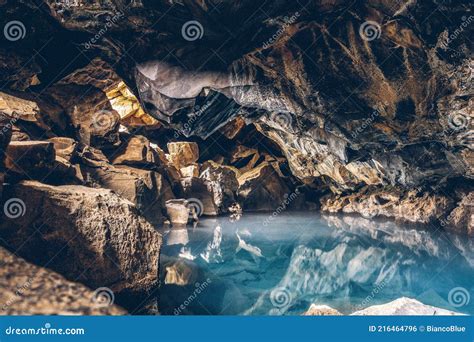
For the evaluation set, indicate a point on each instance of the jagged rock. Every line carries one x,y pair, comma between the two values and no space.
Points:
412,206
190,171
94,122
88,235
221,182
178,212
5,136
233,128
146,189
64,147
27,289
135,151
321,310
197,190
183,153
262,188
404,307
461,219
244,158
30,159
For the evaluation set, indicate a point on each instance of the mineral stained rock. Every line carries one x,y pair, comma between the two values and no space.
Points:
27,289
88,235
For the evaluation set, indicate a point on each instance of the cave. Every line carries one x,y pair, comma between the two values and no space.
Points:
223,157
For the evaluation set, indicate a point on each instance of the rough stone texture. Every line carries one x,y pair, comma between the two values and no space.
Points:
346,110
146,189
135,151
461,219
26,289
221,182
321,310
190,171
88,235
183,153
197,190
404,307
65,147
178,212
262,189
30,159
410,206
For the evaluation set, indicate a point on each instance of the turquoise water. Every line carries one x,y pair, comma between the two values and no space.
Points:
279,266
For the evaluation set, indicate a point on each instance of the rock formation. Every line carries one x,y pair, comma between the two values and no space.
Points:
353,107
30,290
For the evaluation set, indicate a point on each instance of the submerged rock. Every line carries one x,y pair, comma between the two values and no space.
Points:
89,235
26,289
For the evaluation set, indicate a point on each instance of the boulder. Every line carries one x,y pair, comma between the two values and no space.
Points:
190,171
221,182
178,212
262,189
26,289
183,153
64,147
196,190
404,307
147,190
89,235
30,159
93,121
136,150
321,310
244,158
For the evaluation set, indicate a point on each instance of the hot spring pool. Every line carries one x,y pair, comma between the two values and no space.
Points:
279,266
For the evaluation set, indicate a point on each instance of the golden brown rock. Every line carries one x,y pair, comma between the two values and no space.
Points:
183,153
27,289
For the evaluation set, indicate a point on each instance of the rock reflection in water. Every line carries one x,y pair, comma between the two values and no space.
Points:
345,262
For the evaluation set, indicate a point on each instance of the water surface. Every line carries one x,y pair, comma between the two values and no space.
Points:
279,266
